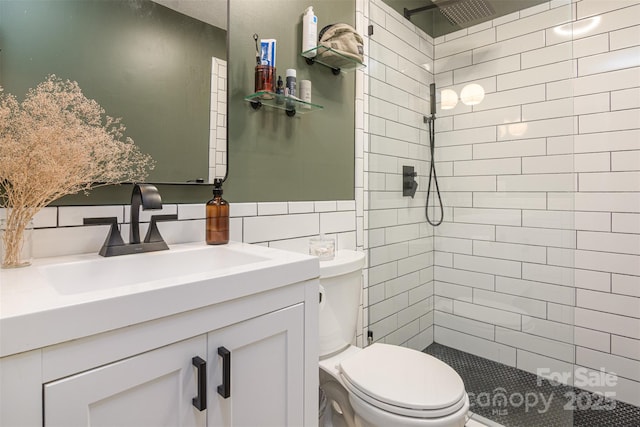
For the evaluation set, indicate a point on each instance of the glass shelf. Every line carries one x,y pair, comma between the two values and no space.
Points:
338,62
290,104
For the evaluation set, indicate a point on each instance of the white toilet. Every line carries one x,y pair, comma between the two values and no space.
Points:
381,385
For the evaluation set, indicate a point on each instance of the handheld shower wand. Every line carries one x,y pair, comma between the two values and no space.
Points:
432,99
432,169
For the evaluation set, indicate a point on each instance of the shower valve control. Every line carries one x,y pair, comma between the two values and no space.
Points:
409,185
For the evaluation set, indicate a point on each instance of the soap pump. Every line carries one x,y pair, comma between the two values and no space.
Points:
217,228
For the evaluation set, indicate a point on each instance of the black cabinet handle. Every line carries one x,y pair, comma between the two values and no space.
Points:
224,389
200,401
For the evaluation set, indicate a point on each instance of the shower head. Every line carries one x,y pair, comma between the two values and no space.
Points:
463,11
457,12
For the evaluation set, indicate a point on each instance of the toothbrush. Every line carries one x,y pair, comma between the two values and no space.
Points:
255,37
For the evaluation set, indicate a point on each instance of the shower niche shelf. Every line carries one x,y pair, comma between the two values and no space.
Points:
290,105
340,63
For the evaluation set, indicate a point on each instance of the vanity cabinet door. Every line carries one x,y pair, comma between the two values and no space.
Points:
152,389
265,366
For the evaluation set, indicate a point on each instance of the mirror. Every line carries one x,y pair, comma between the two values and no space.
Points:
150,62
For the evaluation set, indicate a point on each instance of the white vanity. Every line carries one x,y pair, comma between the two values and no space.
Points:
141,339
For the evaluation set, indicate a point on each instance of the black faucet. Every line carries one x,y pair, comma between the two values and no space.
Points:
147,197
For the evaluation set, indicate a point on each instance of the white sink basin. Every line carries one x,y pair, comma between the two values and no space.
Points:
89,294
106,273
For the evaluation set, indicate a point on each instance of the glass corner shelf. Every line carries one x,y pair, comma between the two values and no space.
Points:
337,61
291,105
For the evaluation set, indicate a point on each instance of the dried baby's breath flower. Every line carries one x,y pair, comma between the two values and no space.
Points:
58,142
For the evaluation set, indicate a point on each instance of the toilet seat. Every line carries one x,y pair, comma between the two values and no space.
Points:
403,381
370,415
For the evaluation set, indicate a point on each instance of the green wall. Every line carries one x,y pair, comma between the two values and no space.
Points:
139,60
273,157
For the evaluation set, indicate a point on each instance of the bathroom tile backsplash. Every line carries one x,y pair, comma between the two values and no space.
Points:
59,230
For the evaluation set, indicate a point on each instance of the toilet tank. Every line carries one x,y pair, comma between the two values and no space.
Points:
340,289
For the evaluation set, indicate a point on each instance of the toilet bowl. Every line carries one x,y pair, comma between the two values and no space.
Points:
380,385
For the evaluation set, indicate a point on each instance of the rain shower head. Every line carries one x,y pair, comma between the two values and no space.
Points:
457,12
464,11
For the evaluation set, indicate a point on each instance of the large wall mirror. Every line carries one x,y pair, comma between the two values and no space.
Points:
150,62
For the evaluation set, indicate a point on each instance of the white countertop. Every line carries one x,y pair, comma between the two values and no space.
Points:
36,312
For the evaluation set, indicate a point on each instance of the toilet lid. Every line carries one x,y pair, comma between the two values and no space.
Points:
344,262
403,380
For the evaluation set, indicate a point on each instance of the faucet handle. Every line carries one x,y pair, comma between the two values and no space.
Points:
153,234
113,238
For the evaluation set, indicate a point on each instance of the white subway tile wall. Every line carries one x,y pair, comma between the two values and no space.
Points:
400,244
218,120
541,189
59,230
554,176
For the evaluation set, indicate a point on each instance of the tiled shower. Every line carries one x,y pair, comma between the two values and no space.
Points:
537,262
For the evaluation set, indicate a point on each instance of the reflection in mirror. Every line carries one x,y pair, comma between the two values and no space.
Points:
161,66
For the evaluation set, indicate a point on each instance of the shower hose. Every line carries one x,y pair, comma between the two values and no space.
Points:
432,173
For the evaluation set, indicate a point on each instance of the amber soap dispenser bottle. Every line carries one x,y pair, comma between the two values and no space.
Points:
217,217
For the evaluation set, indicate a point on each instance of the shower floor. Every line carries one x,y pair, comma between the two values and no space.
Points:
530,400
